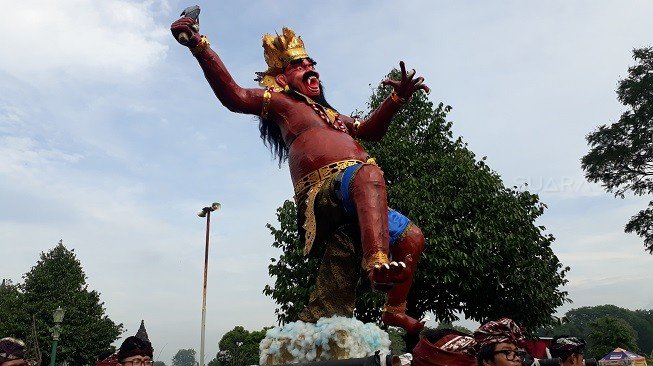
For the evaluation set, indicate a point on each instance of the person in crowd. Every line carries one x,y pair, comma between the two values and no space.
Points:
135,351
569,349
12,352
497,343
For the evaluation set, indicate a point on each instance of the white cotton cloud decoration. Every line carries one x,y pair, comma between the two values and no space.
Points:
329,339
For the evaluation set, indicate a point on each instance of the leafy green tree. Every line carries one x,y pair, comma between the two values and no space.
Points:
621,154
242,346
445,325
15,321
223,358
184,357
397,342
213,362
294,273
608,333
577,323
485,256
58,279
161,363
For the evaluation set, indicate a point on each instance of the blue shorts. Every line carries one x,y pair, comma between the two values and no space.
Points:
397,222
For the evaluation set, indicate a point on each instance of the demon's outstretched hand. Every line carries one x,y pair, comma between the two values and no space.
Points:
407,86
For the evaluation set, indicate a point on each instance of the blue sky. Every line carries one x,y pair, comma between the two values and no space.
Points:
111,140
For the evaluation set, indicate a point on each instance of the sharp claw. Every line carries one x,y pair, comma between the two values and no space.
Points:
402,264
386,266
377,266
394,264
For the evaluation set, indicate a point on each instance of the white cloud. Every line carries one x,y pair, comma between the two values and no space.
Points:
22,155
602,257
84,40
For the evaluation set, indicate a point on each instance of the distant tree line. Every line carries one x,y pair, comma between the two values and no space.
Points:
606,327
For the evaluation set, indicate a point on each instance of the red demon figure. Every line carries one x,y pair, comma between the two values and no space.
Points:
336,182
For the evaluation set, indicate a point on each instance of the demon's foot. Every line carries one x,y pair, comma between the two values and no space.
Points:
383,277
411,325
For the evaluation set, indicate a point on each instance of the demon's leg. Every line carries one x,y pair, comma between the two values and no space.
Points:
407,250
369,197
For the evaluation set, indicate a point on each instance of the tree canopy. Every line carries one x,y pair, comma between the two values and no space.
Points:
56,280
608,333
240,347
14,318
577,322
485,255
184,357
621,154
459,328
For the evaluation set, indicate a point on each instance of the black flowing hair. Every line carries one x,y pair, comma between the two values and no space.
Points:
271,136
271,133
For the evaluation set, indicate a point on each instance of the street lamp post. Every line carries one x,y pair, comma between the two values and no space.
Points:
57,315
205,212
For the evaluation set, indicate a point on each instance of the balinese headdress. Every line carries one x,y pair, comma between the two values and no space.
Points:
11,349
567,343
498,331
279,51
134,346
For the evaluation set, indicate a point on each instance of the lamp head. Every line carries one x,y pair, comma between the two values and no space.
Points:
58,314
214,207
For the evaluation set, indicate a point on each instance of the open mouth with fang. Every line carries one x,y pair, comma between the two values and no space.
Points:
312,81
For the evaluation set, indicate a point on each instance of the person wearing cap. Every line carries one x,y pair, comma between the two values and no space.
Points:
570,350
12,352
497,343
135,351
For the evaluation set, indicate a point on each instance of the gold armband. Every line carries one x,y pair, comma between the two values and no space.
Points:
267,96
397,99
204,43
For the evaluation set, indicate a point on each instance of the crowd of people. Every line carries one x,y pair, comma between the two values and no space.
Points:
134,351
495,343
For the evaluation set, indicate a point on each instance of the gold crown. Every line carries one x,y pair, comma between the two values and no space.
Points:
279,51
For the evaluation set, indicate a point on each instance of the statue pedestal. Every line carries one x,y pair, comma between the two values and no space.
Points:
334,338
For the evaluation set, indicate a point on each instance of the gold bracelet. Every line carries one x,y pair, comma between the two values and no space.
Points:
204,43
377,259
397,99
266,103
395,309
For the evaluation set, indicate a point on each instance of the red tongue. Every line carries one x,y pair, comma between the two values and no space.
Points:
313,82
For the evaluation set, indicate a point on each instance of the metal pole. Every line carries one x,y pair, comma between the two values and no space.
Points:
206,267
53,354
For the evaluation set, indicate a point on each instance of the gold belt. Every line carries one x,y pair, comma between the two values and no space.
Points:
325,172
313,181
